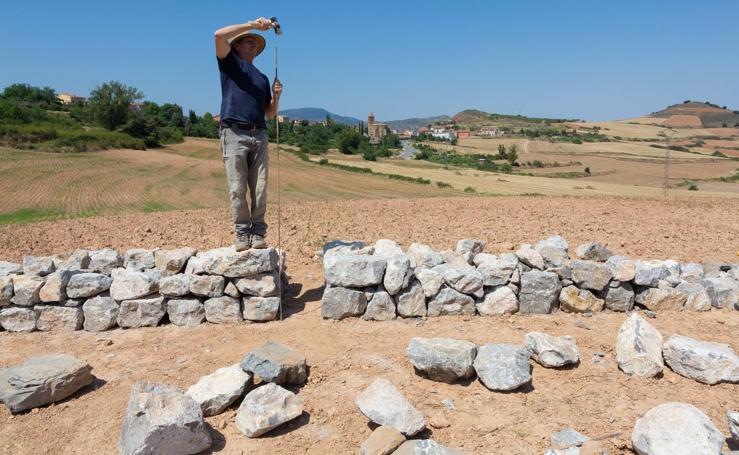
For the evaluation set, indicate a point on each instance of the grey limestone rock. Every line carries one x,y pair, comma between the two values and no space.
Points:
266,408
231,290
473,246
10,268
503,367
380,308
411,302
442,359
141,312
220,389
697,296
648,273
574,300
356,271
567,439
424,447
383,441
383,404
497,270
104,261
261,285
343,247
130,285
500,301
639,348
164,421
173,261
6,291
175,285
424,256
18,319
553,250
86,285
340,303
620,296
539,292
275,362
138,259
227,262
186,312
622,268
462,279
77,261
223,310
58,318
387,248
593,251
449,302
664,299
431,281
530,256
590,275
38,265
261,309
722,290
398,274
733,418
39,381
702,361
551,351
55,287
100,314
208,286
691,272
26,290
676,428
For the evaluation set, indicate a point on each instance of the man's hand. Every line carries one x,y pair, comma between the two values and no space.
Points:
261,24
277,89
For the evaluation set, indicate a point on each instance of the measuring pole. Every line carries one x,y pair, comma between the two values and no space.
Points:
281,254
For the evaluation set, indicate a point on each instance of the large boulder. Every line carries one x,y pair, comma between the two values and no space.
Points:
18,319
275,362
430,281
42,380
648,273
131,285
574,300
58,318
620,296
590,275
261,285
164,421
380,308
398,274
722,290
539,292
664,299
349,270
442,359
593,251
100,314
38,265
500,301
702,361
186,312
141,312
227,262
503,367
340,303
553,250
622,268
639,348
175,285
411,302
86,285
551,351
26,290
223,310
104,261
266,408
497,270
383,404
217,391
697,296
462,279
424,447
261,309
424,256
449,302
676,428
207,286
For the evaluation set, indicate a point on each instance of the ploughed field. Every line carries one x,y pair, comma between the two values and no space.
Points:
344,357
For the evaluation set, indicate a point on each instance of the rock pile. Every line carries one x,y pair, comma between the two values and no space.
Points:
382,282
99,290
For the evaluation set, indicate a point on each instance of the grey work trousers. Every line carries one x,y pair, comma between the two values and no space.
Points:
246,159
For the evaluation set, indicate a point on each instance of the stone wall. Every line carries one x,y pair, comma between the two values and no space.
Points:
382,282
99,290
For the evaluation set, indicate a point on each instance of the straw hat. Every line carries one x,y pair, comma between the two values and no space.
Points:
261,42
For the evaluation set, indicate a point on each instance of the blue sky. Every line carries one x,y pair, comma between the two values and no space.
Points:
586,59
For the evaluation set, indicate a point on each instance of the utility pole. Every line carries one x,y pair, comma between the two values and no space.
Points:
668,134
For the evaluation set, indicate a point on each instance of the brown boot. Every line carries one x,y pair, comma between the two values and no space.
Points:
258,242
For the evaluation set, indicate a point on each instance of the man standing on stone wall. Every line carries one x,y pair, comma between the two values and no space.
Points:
246,102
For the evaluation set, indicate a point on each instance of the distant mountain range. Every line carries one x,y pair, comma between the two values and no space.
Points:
316,114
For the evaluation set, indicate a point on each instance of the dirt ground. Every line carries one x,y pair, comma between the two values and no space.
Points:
595,398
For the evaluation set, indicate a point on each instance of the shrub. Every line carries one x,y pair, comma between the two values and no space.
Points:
693,187
443,185
587,171
469,189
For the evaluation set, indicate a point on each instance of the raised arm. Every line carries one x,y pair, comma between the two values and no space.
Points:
222,36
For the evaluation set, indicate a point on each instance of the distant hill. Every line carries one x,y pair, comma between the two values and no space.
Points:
315,114
415,123
473,118
694,114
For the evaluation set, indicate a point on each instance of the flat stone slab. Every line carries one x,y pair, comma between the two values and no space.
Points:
58,318
383,404
18,319
275,362
173,261
341,303
141,312
442,359
42,380
357,271
227,262
551,351
676,428
702,361
424,447
266,408
639,348
100,313
383,441
162,420
567,439
261,285
503,367
219,390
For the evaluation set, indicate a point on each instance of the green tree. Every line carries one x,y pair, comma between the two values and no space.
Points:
513,154
45,97
171,115
348,140
110,103
502,155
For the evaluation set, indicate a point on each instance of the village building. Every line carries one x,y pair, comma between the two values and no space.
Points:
463,134
375,131
489,132
69,98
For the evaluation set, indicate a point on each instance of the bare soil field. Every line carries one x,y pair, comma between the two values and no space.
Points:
344,357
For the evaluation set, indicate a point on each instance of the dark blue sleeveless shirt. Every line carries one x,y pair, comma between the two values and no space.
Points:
245,91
